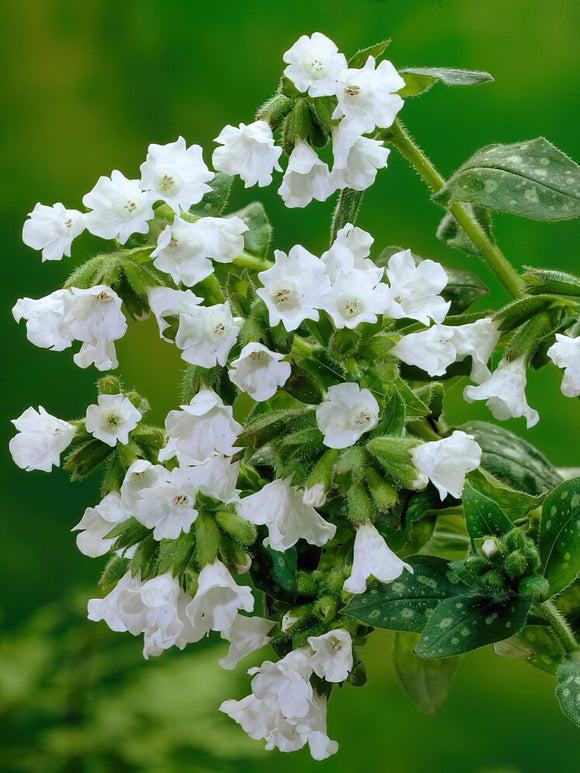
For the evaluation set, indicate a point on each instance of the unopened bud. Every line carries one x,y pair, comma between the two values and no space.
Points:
384,495
325,608
489,547
109,385
516,565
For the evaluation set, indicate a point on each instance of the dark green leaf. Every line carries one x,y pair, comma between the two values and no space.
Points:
516,313
560,535
346,210
112,573
483,516
513,460
128,533
83,459
449,538
275,572
532,179
462,289
568,690
144,562
304,388
215,201
451,232
406,603
548,653
257,239
175,554
465,623
392,421
515,504
377,50
415,407
418,80
545,280
426,682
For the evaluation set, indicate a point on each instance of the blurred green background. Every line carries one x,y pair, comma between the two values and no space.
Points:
86,86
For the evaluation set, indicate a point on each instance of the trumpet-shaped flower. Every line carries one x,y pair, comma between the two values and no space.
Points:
97,522
504,392
314,65
332,659
112,419
94,315
216,478
40,440
52,230
217,601
206,334
414,289
346,414
280,507
355,297
141,475
258,371
201,429
182,252
118,207
245,635
176,174
167,507
366,96
248,151
476,340
446,462
45,320
165,302
565,353
363,157
293,286
306,178
372,556
432,350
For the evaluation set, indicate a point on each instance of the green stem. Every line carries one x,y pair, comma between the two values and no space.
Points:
550,612
245,260
490,252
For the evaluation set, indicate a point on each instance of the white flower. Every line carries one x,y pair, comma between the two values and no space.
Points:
245,635
476,340
565,353
216,478
314,65
286,682
229,237
118,207
446,462
52,230
366,98
414,289
94,315
45,320
217,601
199,430
206,334
165,302
489,547
41,440
112,419
358,241
154,608
362,159
248,151
258,371
349,252
372,556
293,286
315,496
141,475
97,522
167,507
306,178
332,659
355,297
182,252
280,507
432,350
176,174
346,414
504,392
102,355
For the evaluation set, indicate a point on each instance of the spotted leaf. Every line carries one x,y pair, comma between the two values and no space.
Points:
560,535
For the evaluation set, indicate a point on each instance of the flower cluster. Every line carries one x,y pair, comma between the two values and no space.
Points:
311,438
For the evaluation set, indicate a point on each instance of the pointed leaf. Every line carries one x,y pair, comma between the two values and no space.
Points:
426,682
462,289
215,201
548,653
465,623
560,535
377,50
483,516
568,690
451,232
406,603
532,179
418,80
257,239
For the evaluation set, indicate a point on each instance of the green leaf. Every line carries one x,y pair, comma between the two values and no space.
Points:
513,460
145,560
112,573
128,533
175,554
560,535
516,313
377,50
449,538
515,504
392,420
406,603
426,682
548,653
568,690
532,179
418,80
415,407
346,210
462,289
545,280
215,201
465,623
257,239
451,232
83,459
483,516
274,572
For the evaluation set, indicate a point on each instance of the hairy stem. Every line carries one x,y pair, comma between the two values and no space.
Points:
491,253
550,612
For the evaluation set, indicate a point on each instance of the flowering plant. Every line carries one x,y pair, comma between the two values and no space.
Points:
311,456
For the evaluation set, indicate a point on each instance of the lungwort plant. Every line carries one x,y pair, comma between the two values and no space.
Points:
309,470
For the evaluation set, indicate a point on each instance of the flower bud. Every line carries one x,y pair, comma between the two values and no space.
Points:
393,454
237,527
516,564
325,608
274,110
529,586
359,507
109,385
489,547
383,494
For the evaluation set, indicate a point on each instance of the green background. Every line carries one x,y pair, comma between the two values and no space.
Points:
89,85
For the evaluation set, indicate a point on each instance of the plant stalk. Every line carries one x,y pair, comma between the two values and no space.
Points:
549,611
